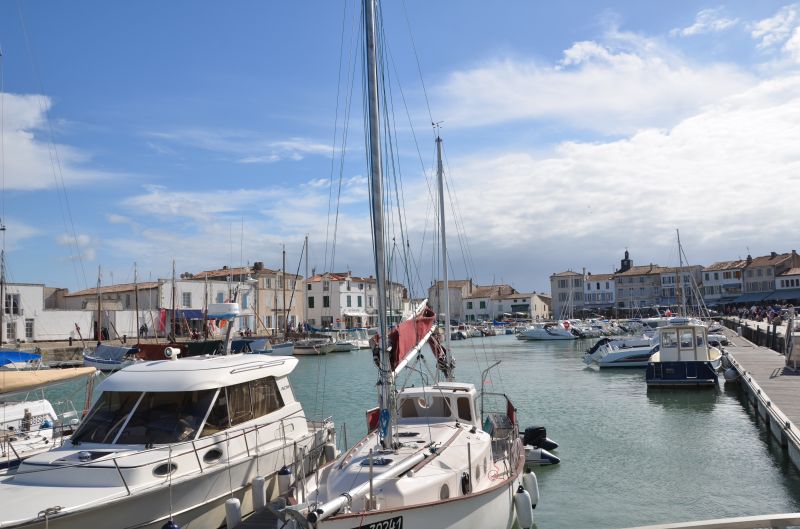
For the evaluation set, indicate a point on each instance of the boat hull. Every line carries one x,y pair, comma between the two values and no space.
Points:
195,502
681,374
489,509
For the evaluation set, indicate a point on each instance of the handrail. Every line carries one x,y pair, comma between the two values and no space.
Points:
182,448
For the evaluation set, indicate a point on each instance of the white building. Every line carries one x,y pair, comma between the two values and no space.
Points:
679,285
458,291
118,304
722,282
29,314
567,293
342,300
599,291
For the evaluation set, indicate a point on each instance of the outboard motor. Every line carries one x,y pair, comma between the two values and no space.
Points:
536,436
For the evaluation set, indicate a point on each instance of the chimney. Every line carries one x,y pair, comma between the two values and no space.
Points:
749,259
773,255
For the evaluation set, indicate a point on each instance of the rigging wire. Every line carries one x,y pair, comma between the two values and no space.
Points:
55,159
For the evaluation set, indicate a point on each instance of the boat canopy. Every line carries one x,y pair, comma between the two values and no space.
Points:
197,373
13,357
16,381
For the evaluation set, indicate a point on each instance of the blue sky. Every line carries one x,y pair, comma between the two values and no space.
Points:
573,130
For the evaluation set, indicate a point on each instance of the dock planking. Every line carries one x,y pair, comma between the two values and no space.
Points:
772,389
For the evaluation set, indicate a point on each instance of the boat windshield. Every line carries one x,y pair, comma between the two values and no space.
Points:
160,417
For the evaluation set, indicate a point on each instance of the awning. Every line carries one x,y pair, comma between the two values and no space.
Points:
354,312
723,301
751,297
787,294
190,314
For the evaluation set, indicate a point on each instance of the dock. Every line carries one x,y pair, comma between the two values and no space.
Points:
771,388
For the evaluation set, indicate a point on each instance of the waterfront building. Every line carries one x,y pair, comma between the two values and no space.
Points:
35,312
787,286
269,304
722,282
458,290
523,305
680,285
341,300
486,303
638,287
567,290
118,305
760,273
599,292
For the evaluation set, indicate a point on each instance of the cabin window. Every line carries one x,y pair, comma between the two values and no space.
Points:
240,407
106,417
266,397
425,406
687,339
669,339
464,409
218,417
167,417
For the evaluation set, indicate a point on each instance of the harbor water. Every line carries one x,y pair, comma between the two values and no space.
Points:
628,456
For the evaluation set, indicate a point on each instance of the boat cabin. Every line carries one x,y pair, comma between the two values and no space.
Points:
170,401
683,343
445,401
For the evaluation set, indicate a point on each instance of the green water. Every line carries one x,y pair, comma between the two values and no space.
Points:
628,456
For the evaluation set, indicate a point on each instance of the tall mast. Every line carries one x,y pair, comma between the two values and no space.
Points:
446,283
283,303
680,275
174,334
2,290
205,307
376,201
305,288
99,308
136,300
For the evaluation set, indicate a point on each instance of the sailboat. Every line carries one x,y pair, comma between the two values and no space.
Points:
434,457
107,357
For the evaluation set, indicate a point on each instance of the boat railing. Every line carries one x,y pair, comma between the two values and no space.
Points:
230,448
769,521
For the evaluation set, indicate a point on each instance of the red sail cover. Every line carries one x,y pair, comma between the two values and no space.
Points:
409,333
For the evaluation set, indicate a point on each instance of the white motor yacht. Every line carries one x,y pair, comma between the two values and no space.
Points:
171,440
547,331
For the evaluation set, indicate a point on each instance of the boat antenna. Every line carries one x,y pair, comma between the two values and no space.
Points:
386,418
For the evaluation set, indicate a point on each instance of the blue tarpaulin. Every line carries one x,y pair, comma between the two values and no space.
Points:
11,357
751,297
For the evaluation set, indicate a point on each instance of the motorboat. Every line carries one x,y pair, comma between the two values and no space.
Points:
615,353
548,331
685,357
107,358
169,441
310,346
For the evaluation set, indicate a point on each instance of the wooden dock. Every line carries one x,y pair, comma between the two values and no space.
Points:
772,389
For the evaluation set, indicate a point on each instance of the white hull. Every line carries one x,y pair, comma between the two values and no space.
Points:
489,509
197,498
101,364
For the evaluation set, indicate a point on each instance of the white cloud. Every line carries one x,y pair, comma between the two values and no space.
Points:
617,86
706,21
29,157
241,146
728,176
775,29
80,243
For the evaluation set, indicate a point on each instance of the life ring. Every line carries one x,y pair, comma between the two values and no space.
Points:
566,324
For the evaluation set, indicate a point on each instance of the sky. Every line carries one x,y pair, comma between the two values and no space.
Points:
218,134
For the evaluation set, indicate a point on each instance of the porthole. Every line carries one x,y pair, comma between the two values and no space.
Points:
164,469
477,473
444,492
212,456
